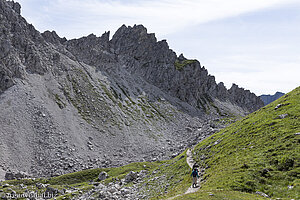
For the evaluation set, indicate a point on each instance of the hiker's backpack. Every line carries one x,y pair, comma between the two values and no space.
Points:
194,173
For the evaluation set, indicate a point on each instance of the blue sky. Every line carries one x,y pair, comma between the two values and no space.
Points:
253,43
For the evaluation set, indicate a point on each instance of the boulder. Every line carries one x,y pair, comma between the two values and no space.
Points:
102,176
131,176
262,194
15,175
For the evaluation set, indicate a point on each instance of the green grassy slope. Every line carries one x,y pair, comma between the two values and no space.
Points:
258,153
220,195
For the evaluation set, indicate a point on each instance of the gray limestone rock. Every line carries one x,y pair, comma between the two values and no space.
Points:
262,194
102,176
245,98
15,6
282,116
15,175
131,176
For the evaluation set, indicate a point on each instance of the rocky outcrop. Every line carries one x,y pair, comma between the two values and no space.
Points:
93,51
131,176
19,44
15,6
53,38
141,54
15,175
178,76
245,98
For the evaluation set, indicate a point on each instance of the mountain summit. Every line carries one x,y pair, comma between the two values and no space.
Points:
68,105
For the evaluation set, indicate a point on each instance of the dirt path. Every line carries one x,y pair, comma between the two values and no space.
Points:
190,162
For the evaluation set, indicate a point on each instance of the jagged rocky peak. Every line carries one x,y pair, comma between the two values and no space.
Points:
52,37
91,41
15,6
10,66
105,36
92,50
183,78
137,42
137,32
12,22
245,98
181,57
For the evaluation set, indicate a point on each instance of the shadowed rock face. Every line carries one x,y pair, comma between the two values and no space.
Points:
67,105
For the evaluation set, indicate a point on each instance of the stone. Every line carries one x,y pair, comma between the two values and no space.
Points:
188,129
102,176
278,106
125,191
131,176
112,190
15,175
174,155
262,194
290,187
282,116
41,185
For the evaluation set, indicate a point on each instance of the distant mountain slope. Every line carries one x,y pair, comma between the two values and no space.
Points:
270,98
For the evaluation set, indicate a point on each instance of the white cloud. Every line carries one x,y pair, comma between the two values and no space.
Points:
74,18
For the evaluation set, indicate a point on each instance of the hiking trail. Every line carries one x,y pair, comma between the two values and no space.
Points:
190,162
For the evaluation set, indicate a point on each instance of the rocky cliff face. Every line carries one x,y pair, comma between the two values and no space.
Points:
178,76
142,55
67,105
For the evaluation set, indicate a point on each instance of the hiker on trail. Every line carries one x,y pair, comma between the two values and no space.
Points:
195,165
195,175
